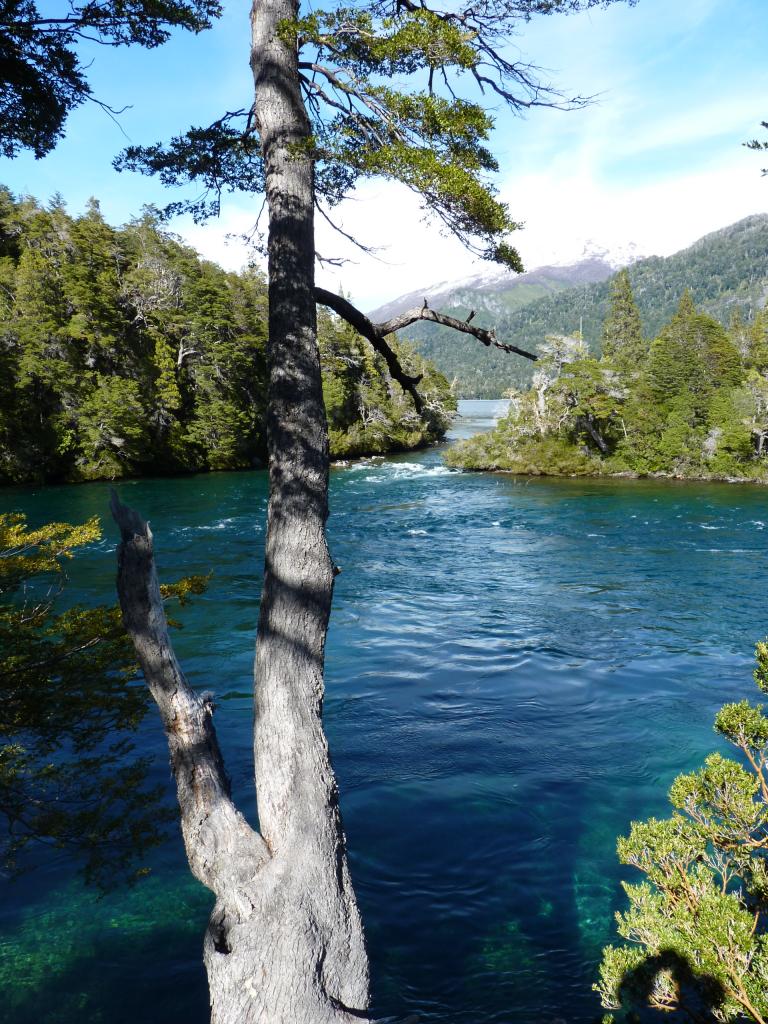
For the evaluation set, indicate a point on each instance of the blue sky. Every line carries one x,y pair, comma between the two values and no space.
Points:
657,159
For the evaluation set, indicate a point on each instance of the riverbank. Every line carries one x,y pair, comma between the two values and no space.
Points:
384,438
502,448
623,475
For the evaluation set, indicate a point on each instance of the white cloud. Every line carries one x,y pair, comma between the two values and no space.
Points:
382,215
561,212
661,216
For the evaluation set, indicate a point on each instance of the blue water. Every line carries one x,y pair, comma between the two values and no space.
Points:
516,669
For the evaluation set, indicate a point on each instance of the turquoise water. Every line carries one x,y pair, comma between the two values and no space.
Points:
516,669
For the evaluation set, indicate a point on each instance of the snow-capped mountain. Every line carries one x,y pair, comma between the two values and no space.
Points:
497,290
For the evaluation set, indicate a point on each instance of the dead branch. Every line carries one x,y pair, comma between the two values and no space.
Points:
376,336
220,843
377,333
483,335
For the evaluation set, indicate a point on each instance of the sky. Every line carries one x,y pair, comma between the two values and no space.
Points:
656,159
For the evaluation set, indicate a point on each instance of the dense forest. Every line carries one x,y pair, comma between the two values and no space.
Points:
693,403
123,353
725,271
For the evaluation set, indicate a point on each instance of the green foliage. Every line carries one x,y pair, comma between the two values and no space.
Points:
761,672
756,354
69,773
622,332
367,412
382,86
123,353
697,925
43,77
689,407
220,158
527,458
112,428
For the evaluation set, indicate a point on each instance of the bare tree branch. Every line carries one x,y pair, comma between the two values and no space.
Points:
221,845
483,335
369,250
373,333
377,333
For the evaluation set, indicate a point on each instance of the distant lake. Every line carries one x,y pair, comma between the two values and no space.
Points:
517,668
476,415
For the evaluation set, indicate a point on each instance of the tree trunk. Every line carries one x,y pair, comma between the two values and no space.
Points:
307,943
285,943
589,425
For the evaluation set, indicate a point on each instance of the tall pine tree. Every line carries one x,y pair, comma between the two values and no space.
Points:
622,331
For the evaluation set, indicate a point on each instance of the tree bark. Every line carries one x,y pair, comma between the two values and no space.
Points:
285,943
377,334
303,959
589,425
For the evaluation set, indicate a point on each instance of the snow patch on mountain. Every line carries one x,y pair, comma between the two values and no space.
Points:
593,262
617,256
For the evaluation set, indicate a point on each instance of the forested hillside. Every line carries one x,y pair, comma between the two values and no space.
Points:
724,271
123,353
497,290
693,403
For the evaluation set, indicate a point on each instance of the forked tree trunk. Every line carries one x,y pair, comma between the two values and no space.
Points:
318,946
285,943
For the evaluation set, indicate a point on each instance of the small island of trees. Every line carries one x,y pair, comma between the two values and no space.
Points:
691,403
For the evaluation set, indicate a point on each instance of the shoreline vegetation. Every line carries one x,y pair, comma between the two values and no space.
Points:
622,475
124,355
692,404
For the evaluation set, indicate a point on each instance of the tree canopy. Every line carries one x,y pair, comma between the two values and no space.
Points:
622,331
692,403
124,353
726,270
382,85
41,68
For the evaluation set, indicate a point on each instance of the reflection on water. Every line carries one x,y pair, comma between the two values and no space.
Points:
516,669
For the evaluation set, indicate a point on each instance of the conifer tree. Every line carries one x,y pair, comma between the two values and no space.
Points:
695,409
622,331
693,354
91,288
43,74
757,342
674,364
686,307
92,315
694,929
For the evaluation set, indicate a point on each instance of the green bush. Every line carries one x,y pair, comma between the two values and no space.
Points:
696,927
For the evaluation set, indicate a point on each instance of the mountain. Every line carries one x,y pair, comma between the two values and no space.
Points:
725,271
497,291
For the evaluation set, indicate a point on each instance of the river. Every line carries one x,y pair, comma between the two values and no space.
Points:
516,669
